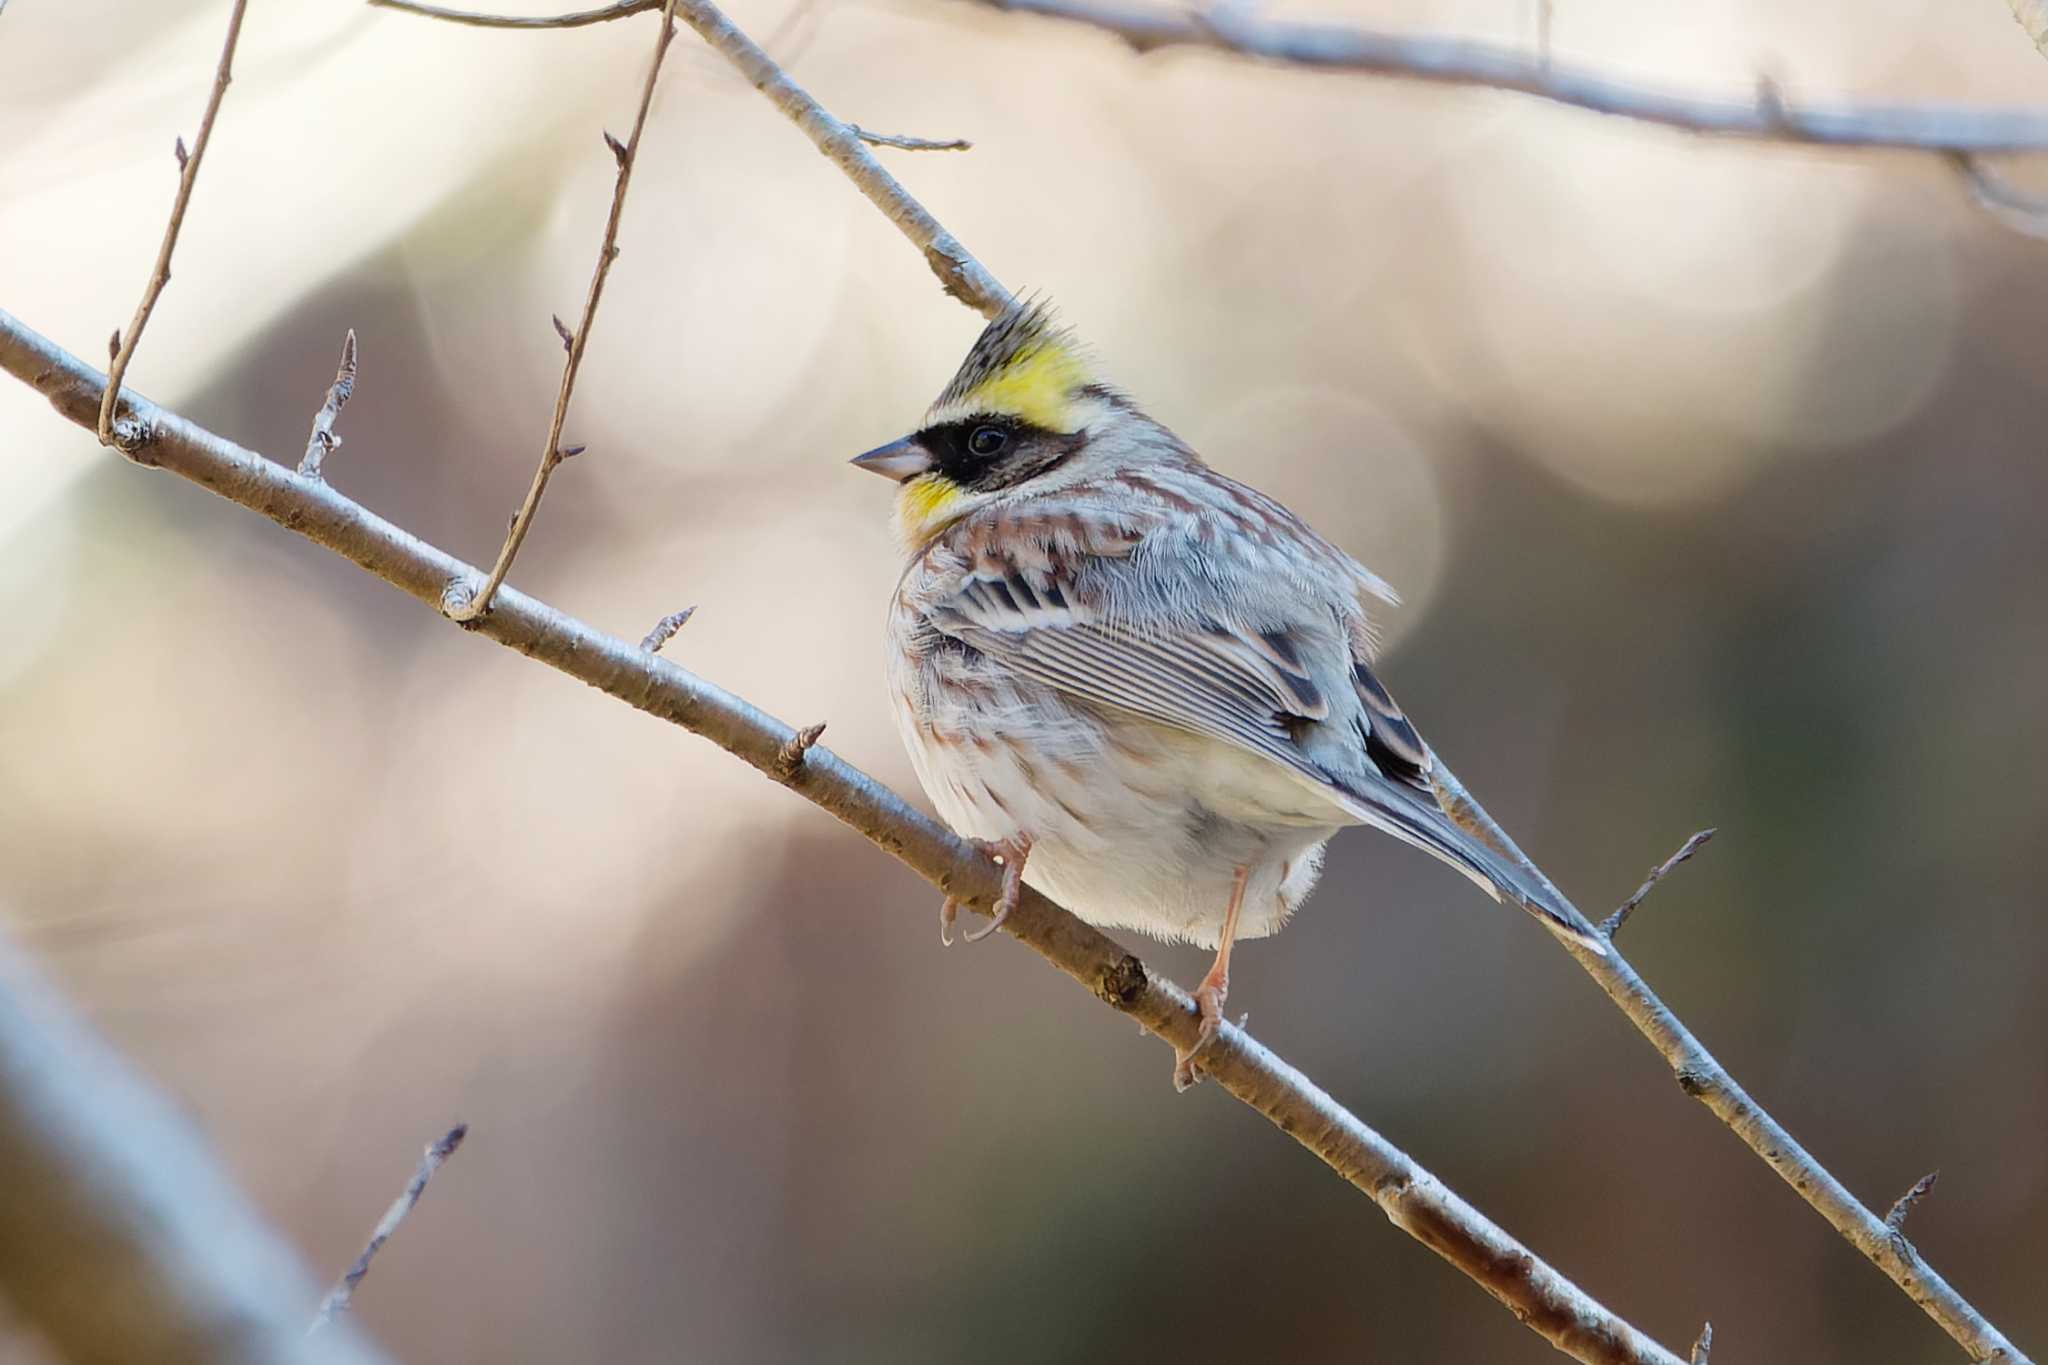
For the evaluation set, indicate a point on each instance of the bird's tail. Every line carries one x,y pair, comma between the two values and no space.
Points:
1458,830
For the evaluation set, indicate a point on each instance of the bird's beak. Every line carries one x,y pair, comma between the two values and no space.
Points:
899,460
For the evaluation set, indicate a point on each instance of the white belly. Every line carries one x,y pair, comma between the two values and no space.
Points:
1131,825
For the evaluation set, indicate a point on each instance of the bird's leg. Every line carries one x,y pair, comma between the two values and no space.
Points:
1215,987
1011,853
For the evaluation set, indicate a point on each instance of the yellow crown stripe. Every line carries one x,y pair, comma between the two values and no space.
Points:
1036,386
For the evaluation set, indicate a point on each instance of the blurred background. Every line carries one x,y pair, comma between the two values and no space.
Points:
1711,474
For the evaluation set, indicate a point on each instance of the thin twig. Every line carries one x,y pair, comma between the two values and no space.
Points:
2026,214
910,144
1703,1346
1458,61
188,173
959,273
122,1236
324,442
790,756
463,605
1895,1219
438,1151
1412,1199
578,19
665,629
1612,924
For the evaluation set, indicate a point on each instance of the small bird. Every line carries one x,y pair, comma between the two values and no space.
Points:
1144,688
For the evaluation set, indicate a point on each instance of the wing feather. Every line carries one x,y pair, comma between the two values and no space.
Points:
1288,680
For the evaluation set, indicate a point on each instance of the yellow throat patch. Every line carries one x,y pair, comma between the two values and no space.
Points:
925,506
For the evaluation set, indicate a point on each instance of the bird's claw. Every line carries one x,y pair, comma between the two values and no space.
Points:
1012,856
1209,1004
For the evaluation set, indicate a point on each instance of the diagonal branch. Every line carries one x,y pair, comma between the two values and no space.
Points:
2033,17
1238,30
1412,1199
1706,1080
462,604
1461,61
124,344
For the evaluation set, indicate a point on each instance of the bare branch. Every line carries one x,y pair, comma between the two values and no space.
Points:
188,173
2026,214
323,442
665,629
909,144
461,604
1412,1198
1703,1346
1903,1205
2033,17
1612,924
576,20
962,276
1696,1069
121,1236
1459,61
339,1298
790,756
1707,1081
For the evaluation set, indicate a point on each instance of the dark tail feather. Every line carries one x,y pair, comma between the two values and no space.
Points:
1517,876
1458,830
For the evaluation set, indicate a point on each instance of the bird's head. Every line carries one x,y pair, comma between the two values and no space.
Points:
1023,407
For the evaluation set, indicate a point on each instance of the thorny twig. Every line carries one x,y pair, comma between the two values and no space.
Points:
1612,924
790,756
123,346
323,442
1895,1219
438,1151
462,604
665,629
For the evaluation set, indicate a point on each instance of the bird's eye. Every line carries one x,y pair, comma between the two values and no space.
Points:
987,441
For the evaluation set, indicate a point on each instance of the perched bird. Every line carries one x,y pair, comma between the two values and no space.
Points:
1144,687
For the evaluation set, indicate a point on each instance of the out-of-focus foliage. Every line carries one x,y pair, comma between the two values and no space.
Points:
1711,475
